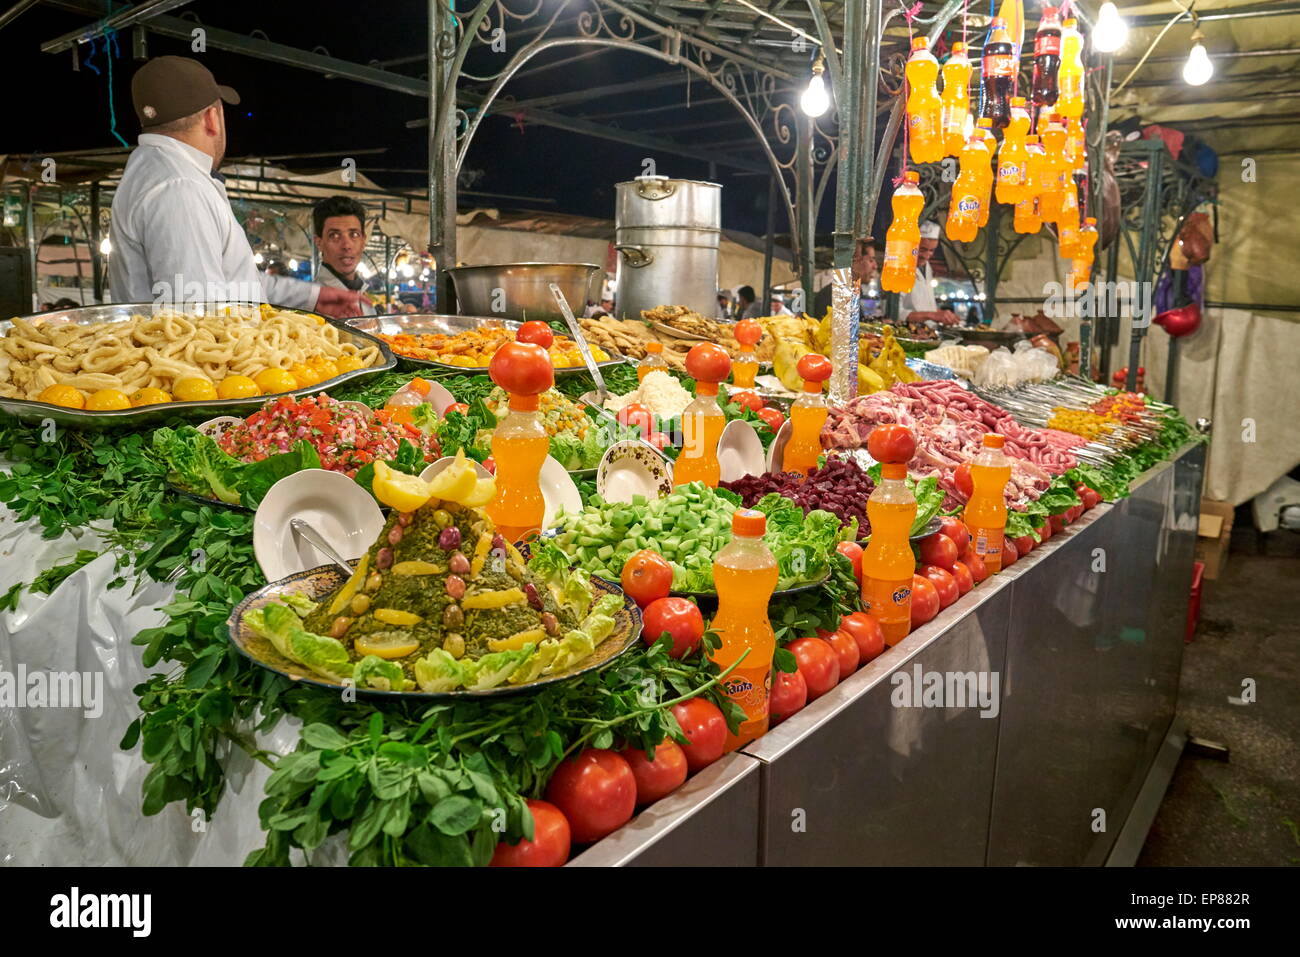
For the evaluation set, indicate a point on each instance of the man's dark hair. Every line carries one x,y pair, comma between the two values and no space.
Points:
746,292
332,206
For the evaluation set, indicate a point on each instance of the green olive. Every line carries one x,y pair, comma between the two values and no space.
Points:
441,517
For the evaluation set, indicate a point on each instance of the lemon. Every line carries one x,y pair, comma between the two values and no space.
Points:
456,481
484,491
194,389
348,364
304,375
398,490
107,400
149,397
386,645
272,381
64,395
238,387
325,368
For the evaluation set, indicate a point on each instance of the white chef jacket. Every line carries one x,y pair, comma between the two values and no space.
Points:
921,298
325,277
175,237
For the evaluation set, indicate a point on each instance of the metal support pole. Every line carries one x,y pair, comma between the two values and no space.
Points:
805,212
1144,268
1107,329
991,262
442,153
1096,179
96,257
864,209
768,241
849,102
29,228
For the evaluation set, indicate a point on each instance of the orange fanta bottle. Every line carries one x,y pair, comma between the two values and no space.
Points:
703,421
745,575
520,443
904,236
1013,157
925,137
1055,170
744,368
653,361
985,515
888,563
955,112
1027,219
1070,77
964,205
984,130
807,416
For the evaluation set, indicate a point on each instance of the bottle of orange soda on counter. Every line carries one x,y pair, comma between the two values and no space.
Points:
653,361
985,515
888,563
520,443
744,368
703,421
898,274
807,416
745,575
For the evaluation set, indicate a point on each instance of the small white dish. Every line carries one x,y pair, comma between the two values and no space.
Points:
559,492
740,452
358,406
439,397
214,428
632,468
776,451
336,506
433,468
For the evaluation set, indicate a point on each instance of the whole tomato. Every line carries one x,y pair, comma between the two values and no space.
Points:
789,694
891,444
943,583
1045,531
647,576
637,414
659,777
938,550
460,407
817,663
866,631
965,581
522,368
954,528
490,463
853,552
813,367
536,332
1091,497
925,601
747,400
680,617
596,791
846,651
1057,522
978,570
549,846
748,332
1024,544
962,479
705,729
1009,554
658,440
708,362
772,417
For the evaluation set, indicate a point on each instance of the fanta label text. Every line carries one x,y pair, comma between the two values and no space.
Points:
901,595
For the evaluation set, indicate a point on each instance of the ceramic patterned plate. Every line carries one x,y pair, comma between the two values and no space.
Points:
318,583
632,468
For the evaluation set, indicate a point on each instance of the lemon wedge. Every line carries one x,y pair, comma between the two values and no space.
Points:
398,490
386,645
484,491
455,482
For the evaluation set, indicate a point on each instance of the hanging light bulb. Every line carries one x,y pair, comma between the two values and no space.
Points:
1198,69
815,100
105,246
1111,31
364,270
259,258
293,265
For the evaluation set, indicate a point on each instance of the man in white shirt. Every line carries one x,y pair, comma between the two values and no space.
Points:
174,236
339,223
919,305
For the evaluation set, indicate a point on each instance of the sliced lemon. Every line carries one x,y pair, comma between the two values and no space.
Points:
484,491
387,645
398,490
454,482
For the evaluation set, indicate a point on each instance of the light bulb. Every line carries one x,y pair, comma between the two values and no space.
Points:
815,100
365,271
293,265
406,270
259,258
105,246
1198,69
1111,31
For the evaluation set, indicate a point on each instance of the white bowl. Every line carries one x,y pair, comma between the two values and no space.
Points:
213,428
336,506
740,452
433,468
439,397
558,491
776,451
632,468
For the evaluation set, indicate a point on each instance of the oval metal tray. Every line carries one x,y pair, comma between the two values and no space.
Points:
29,410
422,324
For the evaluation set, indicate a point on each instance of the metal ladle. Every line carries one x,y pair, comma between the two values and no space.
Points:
575,331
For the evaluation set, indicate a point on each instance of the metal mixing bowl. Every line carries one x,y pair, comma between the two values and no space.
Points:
521,291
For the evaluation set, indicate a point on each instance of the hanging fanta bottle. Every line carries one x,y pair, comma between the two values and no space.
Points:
1070,101
1027,219
985,515
964,203
1054,170
1013,158
925,141
703,421
955,113
903,237
807,416
745,575
653,361
1076,151
745,366
520,443
888,563
1067,223
1081,264
985,170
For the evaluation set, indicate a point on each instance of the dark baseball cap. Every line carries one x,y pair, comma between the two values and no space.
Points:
170,87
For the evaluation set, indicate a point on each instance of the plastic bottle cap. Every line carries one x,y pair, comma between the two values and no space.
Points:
1017,101
1049,13
994,441
1091,220
919,43
749,523
524,403
1070,24
958,47
1031,139
912,176
654,347
985,123
705,388
893,470
999,23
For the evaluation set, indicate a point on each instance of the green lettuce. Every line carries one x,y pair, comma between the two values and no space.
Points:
538,664
195,462
491,670
438,672
273,622
325,656
256,478
374,672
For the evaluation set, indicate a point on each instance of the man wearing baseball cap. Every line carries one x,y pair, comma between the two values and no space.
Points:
174,235
919,305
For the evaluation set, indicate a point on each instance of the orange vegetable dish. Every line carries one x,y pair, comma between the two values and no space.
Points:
473,348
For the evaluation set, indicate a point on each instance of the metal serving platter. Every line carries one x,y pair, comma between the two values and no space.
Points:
29,410
318,583
421,324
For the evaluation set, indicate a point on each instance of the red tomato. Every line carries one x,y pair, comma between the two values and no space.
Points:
813,367
705,729
490,463
660,777
1024,545
1072,515
1044,532
789,694
596,791
748,332
978,570
955,529
549,846
772,417
536,332
853,552
460,407
708,362
1091,497
865,630
925,600
944,584
817,663
962,479
680,617
1057,522
891,444
965,582
658,440
522,368
1009,554
938,550
846,651
647,576
747,400
637,414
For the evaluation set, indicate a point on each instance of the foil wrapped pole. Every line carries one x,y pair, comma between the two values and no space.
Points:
845,314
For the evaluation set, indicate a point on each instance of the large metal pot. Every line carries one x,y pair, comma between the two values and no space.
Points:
521,290
667,233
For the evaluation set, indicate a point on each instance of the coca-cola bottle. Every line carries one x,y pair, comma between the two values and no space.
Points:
1047,58
998,75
